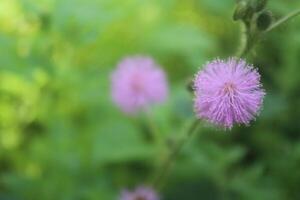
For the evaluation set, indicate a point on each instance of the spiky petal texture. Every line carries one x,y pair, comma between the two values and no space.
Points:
228,92
137,83
140,193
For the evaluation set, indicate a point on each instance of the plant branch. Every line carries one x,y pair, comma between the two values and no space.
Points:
283,20
251,35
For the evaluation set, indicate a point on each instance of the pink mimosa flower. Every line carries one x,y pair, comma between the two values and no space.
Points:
140,193
138,83
228,92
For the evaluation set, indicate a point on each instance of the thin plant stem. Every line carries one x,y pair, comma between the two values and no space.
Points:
150,130
249,44
245,46
283,20
159,179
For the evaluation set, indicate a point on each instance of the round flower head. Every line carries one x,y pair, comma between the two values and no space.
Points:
140,193
137,83
228,92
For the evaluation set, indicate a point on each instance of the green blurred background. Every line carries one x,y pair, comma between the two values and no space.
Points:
62,138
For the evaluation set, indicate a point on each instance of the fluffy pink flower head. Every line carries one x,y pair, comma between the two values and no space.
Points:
137,83
228,92
140,193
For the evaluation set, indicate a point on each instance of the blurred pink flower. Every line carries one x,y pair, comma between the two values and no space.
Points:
140,193
137,83
228,92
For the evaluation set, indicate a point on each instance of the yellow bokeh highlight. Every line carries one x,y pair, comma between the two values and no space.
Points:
10,15
18,108
10,139
14,20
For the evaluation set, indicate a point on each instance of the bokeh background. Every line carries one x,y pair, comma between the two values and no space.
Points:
62,138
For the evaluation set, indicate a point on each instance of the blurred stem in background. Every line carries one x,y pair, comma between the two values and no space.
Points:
154,131
149,128
175,149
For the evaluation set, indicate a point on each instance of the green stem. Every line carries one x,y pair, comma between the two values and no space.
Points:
159,179
245,46
250,43
283,20
248,40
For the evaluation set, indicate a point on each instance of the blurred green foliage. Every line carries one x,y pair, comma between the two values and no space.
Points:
62,138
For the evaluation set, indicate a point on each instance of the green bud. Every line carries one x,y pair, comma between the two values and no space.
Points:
259,5
243,11
264,20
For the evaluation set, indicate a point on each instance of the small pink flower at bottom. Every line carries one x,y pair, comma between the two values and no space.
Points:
228,92
140,193
137,83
